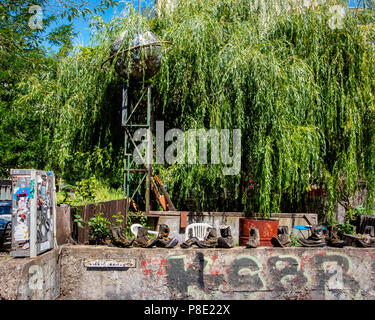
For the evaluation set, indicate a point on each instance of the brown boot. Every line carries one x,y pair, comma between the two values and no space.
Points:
254,238
333,239
118,239
163,240
143,240
282,239
188,243
210,240
226,240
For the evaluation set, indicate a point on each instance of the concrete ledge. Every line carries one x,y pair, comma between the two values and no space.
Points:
30,278
239,273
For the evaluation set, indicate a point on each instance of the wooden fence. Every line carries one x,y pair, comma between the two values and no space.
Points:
108,209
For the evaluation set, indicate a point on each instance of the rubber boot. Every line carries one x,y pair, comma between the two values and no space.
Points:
163,238
282,239
210,240
333,239
316,239
118,239
254,238
225,240
143,240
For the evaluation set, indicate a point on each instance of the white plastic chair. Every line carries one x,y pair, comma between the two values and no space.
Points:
134,229
199,230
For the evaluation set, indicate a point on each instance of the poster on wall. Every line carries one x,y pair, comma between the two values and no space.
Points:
33,212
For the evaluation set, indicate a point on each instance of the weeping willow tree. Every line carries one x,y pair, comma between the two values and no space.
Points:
300,88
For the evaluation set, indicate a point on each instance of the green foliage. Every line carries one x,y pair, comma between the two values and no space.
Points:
99,227
347,228
294,240
88,191
301,92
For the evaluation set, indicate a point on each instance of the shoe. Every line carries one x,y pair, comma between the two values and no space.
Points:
254,238
210,240
333,238
143,240
370,231
226,240
282,239
118,239
188,243
316,239
367,240
163,240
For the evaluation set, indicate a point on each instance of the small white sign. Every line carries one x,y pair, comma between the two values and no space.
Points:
128,263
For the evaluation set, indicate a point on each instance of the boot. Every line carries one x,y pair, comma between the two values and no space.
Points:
254,238
282,239
118,239
143,240
210,240
188,243
226,240
163,240
316,239
367,240
333,239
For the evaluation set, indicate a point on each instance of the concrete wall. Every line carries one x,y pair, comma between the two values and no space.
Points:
238,273
30,278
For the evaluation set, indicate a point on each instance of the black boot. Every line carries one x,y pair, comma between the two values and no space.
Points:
316,239
282,239
163,240
118,239
210,240
254,238
143,240
333,239
226,240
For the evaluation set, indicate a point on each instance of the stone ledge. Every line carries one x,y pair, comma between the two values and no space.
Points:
265,273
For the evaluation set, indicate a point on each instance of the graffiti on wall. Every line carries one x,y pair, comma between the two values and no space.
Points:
25,190
322,275
21,210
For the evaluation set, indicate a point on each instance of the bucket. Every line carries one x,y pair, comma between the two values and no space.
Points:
267,230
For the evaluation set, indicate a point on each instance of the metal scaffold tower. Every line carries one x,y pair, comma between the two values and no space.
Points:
137,108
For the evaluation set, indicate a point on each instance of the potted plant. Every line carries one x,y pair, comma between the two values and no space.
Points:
267,227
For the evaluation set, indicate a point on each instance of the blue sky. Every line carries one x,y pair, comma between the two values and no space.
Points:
81,26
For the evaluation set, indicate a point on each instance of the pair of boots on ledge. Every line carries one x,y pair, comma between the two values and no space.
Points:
282,239
142,240
211,240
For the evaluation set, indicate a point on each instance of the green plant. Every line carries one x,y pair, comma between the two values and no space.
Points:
347,228
99,227
294,240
